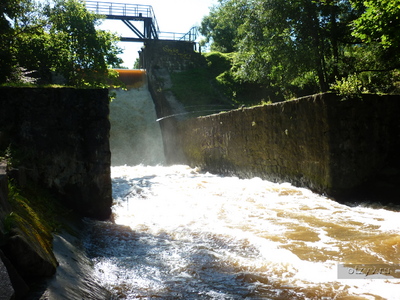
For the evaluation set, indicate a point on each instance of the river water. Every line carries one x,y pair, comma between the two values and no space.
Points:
180,233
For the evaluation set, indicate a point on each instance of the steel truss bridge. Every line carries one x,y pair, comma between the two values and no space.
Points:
131,15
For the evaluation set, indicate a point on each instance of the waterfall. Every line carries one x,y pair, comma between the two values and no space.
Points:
135,136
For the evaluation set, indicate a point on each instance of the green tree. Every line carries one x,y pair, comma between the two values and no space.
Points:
380,22
84,52
220,27
296,46
375,58
59,37
17,18
5,45
379,27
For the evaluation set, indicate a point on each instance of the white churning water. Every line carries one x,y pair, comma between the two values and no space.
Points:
179,233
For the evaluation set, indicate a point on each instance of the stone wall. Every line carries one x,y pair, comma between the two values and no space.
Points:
169,55
319,142
161,58
61,138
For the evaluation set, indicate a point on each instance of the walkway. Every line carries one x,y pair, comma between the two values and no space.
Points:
131,14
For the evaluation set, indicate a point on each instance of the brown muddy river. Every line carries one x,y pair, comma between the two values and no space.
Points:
182,234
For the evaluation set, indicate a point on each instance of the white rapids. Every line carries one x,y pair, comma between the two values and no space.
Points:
182,234
179,233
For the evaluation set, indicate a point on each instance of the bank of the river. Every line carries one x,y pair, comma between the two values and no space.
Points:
74,278
42,254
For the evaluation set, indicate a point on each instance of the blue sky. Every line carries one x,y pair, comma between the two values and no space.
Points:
172,16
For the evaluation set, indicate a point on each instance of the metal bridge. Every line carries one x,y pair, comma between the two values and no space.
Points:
131,14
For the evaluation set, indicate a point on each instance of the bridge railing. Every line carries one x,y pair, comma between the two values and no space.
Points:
126,11
189,36
122,10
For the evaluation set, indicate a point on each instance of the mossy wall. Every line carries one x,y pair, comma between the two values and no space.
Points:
60,137
169,55
319,142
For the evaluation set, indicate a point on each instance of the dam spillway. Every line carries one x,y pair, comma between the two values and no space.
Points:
135,135
180,233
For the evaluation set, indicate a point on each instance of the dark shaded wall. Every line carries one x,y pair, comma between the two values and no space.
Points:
319,142
170,55
160,58
61,138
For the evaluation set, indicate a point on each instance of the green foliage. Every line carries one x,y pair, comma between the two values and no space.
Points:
59,37
35,208
198,90
29,219
215,87
220,27
379,23
299,47
17,18
136,64
349,86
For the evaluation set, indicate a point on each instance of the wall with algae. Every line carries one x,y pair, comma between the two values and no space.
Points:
319,142
59,142
61,138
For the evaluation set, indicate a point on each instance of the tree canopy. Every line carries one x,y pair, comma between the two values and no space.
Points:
297,47
59,37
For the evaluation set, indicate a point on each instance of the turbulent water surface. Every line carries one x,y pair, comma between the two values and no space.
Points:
179,233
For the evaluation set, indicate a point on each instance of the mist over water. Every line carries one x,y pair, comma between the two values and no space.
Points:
179,233
135,136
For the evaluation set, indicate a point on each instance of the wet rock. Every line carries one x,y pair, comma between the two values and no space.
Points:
6,288
19,286
74,279
29,257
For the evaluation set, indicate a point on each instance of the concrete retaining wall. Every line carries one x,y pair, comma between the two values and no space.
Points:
61,138
319,142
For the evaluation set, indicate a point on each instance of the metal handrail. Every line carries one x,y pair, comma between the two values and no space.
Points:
122,9
138,11
189,36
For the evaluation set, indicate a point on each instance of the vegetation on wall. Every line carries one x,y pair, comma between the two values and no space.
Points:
32,218
215,87
299,47
59,37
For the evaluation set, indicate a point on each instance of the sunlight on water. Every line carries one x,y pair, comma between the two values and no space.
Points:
181,234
